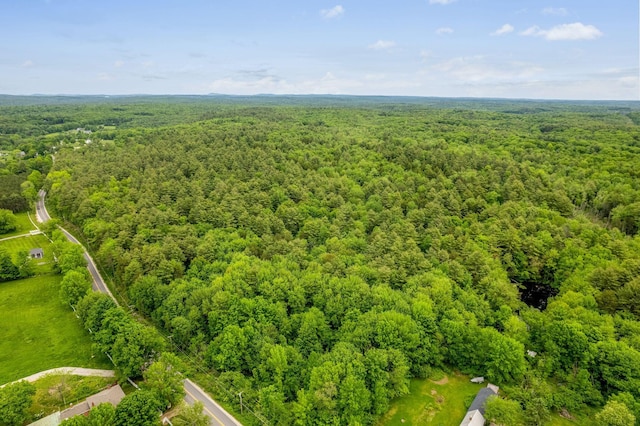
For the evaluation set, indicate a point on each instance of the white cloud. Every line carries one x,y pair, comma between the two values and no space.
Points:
558,11
472,69
28,63
334,12
444,30
574,31
382,45
425,54
532,31
505,29
327,84
103,76
441,1
118,64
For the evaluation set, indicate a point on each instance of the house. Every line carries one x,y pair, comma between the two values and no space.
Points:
113,396
36,253
475,414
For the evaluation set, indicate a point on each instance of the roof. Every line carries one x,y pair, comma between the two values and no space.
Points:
50,420
112,395
473,418
481,398
36,251
76,410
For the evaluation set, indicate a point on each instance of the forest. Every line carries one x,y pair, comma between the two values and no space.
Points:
316,254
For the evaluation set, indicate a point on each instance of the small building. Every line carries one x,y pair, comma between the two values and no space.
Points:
477,380
36,253
475,414
113,396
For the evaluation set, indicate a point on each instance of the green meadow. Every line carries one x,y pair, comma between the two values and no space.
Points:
26,243
39,332
440,402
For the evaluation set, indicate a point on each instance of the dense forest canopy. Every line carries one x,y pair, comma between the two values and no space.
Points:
317,256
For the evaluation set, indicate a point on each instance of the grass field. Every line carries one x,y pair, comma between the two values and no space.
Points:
443,402
38,332
56,392
29,242
24,225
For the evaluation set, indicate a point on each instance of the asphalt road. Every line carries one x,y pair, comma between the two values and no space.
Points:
41,211
193,392
98,283
217,414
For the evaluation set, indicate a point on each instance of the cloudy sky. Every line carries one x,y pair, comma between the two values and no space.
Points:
562,49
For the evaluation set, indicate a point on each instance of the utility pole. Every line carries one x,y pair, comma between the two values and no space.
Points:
240,395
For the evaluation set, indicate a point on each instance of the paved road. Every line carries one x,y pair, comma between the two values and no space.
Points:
42,215
76,371
218,414
98,283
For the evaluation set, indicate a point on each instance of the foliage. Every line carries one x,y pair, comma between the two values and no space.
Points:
191,415
101,415
15,399
8,221
163,379
138,409
326,255
74,286
503,412
55,391
615,414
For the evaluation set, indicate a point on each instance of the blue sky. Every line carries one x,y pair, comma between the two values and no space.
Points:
555,49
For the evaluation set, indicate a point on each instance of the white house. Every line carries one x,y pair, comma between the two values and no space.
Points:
475,414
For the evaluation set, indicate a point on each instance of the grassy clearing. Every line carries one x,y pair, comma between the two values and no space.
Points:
56,392
442,402
38,332
24,225
15,245
586,417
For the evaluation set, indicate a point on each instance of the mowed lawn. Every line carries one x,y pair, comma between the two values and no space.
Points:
443,402
27,243
38,332
24,225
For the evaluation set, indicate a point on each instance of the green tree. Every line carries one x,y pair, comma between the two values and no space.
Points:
615,414
79,420
74,286
8,221
191,415
71,257
140,408
503,412
8,271
164,380
15,399
135,347
102,415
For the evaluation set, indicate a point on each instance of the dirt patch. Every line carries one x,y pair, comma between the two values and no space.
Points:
567,415
442,381
434,392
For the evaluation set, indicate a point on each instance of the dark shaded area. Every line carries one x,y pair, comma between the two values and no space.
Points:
536,295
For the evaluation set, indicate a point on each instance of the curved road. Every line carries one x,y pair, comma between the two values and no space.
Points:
75,371
42,215
219,416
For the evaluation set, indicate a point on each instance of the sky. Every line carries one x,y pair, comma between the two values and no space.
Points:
536,49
